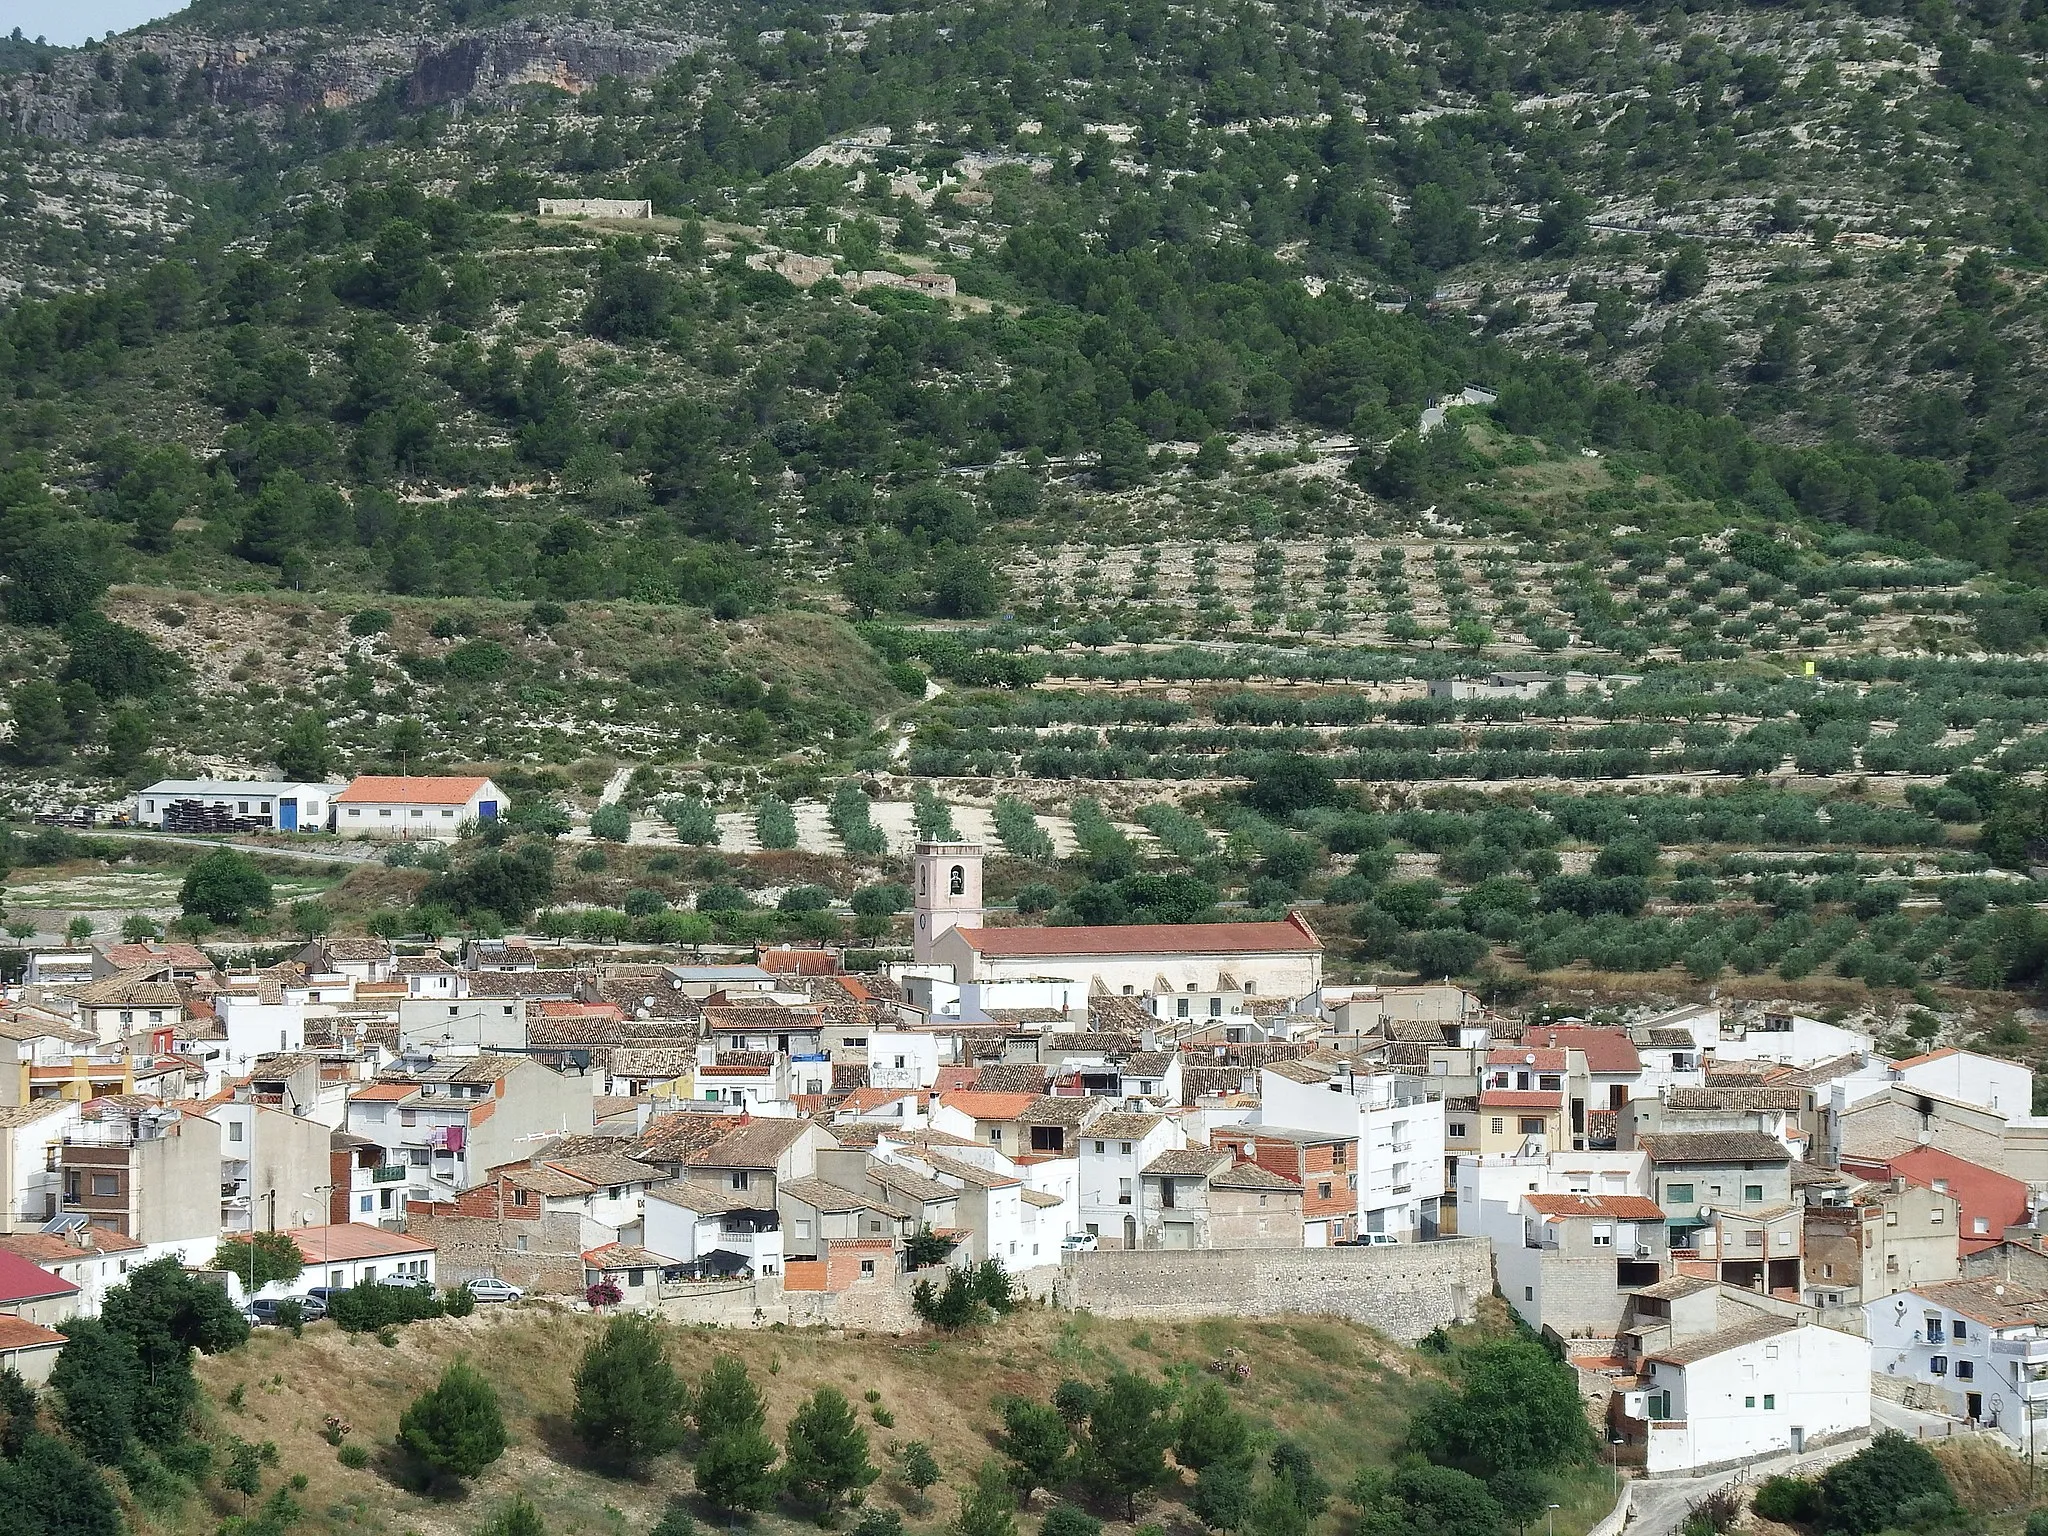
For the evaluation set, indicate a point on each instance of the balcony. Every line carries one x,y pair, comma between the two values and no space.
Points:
388,1173
2023,1352
1402,1189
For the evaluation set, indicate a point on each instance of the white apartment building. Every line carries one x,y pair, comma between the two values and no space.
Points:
1399,1122
1114,1150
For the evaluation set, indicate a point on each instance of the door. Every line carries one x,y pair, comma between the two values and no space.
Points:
1973,1405
1130,1232
487,810
287,815
1798,1439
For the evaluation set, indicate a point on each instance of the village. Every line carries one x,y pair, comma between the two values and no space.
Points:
1747,1231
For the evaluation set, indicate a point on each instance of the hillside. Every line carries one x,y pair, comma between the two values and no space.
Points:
1340,1390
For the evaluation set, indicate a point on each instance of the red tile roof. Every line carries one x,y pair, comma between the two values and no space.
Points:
345,1240
1606,1050
1508,1098
396,789
1516,1056
1294,936
22,1281
389,1093
989,1106
1620,1207
19,1333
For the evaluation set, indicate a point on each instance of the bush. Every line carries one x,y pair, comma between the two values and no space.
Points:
1867,1492
695,822
371,1308
369,621
611,823
1037,897
1796,1500
774,823
353,1456
454,1427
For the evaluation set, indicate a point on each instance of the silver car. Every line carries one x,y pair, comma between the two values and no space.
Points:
490,1288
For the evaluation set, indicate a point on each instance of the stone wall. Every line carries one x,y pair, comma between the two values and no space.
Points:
468,1247
1404,1291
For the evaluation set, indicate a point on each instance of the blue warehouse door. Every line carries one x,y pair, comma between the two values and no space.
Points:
487,810
287,815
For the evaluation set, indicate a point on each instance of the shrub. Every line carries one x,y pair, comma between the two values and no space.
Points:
369,621
1796,1500
1866,1492
454,1427
353,1455
612,823
373,1308
695,822
774,823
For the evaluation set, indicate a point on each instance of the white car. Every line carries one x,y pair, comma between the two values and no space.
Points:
490,1288
1080,1242
1378,1240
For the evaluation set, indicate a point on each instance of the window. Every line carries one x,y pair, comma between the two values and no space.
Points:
1180,1007
1891,1218
867,1269
1938,1365
1678,1194
1752,1194
1749,1401
1124,1147
1531,1125
234,1130
366,1205
1770,1400
1752,1239
956,882
741,1178
636,1277
1528,1293
1499,1125
1215,1007
105,1186
519,1197
1099,1149
418,814
1961,1329
1934,1216
1323,1190
1456,1130
1941,1186
1550,1082
995,1135
1123,1191
1966,1370
803,1229
1980,1225
1603,1237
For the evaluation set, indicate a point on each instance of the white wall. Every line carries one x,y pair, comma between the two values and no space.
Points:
257,1029
2004,1086
1815,1379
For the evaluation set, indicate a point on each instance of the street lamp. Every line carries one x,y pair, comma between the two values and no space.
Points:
1550,1519
314,1194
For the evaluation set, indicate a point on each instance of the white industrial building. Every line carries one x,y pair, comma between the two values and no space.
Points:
204,805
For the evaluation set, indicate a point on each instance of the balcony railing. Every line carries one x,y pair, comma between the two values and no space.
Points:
388,1173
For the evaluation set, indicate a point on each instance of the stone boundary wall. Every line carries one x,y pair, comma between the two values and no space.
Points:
1404,1290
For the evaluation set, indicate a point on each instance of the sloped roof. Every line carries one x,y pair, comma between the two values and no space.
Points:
1186,1162
1293,936
990,1106
414,789
353,1240
1252,1176
1619,1207
22,1281
1715,1147
1707,1345
824,1196
756,1145
1605,1050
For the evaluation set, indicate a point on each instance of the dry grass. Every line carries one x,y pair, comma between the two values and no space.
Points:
1342,1390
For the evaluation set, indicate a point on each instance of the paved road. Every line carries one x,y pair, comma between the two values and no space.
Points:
1658,1504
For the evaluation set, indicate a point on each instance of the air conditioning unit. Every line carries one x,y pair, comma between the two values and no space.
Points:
1642,1250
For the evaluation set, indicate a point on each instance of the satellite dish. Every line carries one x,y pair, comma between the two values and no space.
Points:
1529,1060
1706,1213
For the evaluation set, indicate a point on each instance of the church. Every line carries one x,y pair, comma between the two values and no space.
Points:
1269,959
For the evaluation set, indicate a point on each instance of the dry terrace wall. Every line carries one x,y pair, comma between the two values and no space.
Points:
1403,1290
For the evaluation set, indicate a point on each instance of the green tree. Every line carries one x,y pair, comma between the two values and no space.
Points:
1685,274
1277,1511
735,1467
1516,1406
611,823
826,1452
630,1404
303,755
408,742
244,1472
1424,1501
224,886
260,1259
519,1518
48,1489
97,1376
455,1427
1123,1451
1209,1428
774,823
1120,457
1037,1441
695,822
1291,1461
140,928
1223,1492
988,1508
42,733
1873,1489
918,1468
129,736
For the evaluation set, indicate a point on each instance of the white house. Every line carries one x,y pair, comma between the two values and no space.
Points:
348,1254
393,805
1399,1122
256,1028
1976,1349
902,1058
1762,1386
1114,1151
713,1232
30,1135
1789,1039
215,805
1972,1078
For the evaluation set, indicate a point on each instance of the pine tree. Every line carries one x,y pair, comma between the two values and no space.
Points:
989,1507
1036,1440
303,754
826,1456
1210,1428
736,1470
519,1518
455,1426
629,1402
1129,1430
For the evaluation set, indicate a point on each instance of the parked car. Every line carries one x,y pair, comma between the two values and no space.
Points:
1080,1242
324,1294
491,1288
1377,1240
265,1309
